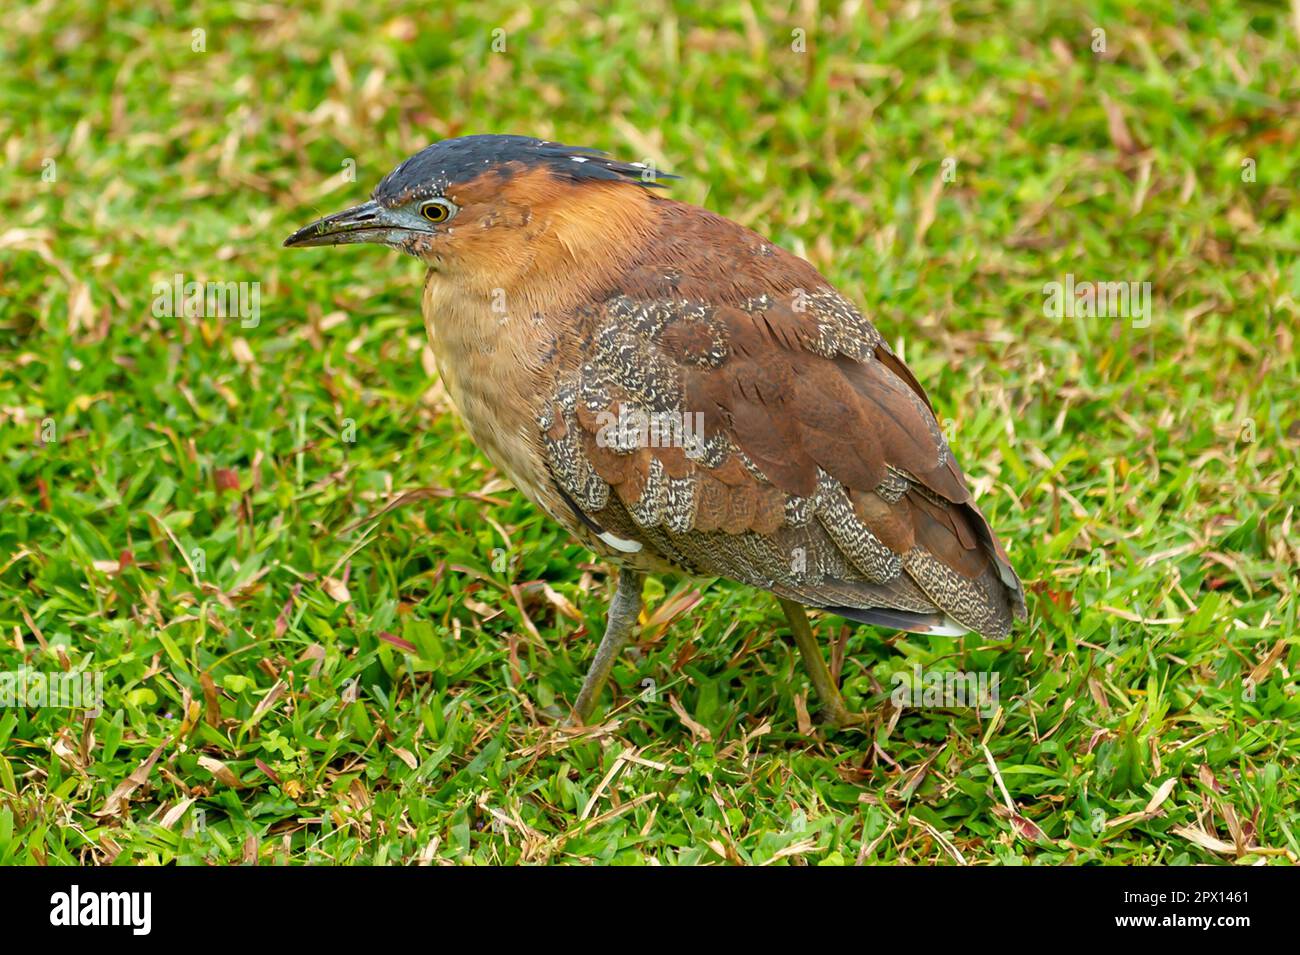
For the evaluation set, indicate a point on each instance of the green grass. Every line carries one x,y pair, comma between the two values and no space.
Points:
321,682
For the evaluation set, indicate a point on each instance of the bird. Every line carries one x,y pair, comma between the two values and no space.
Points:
683,396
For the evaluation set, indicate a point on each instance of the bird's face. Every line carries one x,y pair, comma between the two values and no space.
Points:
410,226
486,203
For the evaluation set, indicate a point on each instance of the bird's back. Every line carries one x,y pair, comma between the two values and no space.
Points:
720,408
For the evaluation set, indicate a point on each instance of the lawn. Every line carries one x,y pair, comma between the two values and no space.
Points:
327,631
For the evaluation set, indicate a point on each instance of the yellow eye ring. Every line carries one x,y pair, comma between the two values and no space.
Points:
436,210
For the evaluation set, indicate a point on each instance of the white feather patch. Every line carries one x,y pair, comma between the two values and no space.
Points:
626,546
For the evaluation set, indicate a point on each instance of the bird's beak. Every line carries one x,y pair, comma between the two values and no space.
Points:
368,222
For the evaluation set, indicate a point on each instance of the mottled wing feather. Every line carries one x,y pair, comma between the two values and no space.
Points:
733,415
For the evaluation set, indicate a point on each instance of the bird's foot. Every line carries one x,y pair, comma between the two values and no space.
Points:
842,718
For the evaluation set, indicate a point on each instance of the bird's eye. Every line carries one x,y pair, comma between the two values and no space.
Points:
437,210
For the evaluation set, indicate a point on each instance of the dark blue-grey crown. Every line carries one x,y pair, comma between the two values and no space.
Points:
430,171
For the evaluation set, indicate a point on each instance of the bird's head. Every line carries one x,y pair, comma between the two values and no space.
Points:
493,205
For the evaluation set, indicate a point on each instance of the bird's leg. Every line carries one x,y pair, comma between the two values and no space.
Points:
623,612
833,706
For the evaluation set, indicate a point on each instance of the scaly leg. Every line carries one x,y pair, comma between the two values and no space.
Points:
623,612
833,706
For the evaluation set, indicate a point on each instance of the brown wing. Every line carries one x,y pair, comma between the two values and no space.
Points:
734,415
